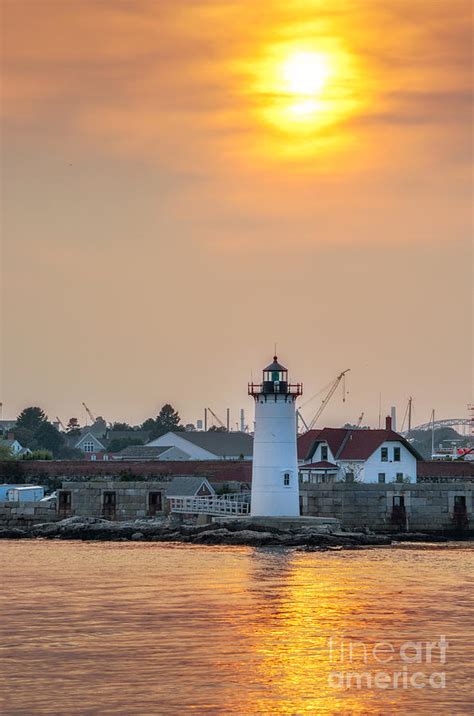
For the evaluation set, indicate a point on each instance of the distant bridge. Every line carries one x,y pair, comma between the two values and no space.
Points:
230,504
463,423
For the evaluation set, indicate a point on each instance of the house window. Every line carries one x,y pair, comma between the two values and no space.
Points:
286,479
399,501
399,476
324,452
384,454
381,477
88,446
396,454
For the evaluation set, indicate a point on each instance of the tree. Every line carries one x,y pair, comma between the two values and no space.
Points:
48,438
149,425
118,444
168,418
31,419
5,453
38,455
24,436
122,426
69,453
73,428
217,429
166,421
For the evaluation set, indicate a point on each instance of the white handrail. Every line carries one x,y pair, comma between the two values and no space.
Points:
209,505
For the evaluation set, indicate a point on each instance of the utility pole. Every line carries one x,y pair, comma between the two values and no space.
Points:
410,400
432,432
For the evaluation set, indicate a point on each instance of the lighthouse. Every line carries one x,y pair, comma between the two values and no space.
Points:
275,490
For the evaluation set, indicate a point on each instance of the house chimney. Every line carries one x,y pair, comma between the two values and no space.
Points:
393,413
388,422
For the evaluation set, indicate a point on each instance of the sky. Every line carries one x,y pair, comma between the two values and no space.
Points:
187,183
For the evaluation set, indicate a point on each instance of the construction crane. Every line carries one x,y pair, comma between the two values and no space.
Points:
60,422
89,413
299,417
217,418
332,390
359,421
408,412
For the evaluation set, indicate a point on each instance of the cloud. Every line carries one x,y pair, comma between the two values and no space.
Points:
174,85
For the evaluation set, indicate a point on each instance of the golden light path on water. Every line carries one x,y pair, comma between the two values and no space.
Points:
135,629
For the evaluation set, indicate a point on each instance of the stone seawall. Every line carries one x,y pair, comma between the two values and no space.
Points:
26,514
424,507
126,500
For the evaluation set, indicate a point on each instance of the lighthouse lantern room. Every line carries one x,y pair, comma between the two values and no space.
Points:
275,489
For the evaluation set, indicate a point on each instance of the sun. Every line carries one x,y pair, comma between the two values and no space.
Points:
303,92
306,73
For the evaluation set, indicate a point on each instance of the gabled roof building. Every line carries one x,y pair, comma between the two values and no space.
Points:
207,445
358,454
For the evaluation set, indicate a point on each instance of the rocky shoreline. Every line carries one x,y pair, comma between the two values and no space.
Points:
234,532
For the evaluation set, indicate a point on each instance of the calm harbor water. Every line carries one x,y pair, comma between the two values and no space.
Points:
127,628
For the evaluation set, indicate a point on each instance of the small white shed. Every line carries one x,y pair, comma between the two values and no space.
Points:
30,493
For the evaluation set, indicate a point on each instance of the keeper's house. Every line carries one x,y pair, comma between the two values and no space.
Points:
355,454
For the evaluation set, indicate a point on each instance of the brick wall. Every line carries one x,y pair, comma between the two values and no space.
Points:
217,470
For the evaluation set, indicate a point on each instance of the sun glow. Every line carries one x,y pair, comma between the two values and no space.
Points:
305,89
306,73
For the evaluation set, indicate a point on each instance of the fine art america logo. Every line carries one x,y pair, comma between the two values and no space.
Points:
384,665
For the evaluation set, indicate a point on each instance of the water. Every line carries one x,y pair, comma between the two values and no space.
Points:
126,628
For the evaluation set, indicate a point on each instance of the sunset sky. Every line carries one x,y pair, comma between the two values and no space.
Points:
186,183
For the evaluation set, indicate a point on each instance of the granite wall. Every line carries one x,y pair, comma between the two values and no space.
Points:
385,507
112,499
26,514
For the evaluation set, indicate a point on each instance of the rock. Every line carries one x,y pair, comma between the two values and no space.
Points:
137,536
13,533
416,537
45,529
215,536
251,537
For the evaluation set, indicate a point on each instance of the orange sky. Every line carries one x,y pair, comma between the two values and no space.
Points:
171,208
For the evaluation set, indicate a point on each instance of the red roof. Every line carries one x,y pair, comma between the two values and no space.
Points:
305,442
323,465
349,443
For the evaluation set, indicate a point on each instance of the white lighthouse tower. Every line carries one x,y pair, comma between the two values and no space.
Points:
275,490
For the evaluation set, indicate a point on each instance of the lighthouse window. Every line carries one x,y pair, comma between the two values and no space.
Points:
286,479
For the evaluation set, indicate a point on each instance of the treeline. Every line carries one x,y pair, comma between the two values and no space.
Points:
33,430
